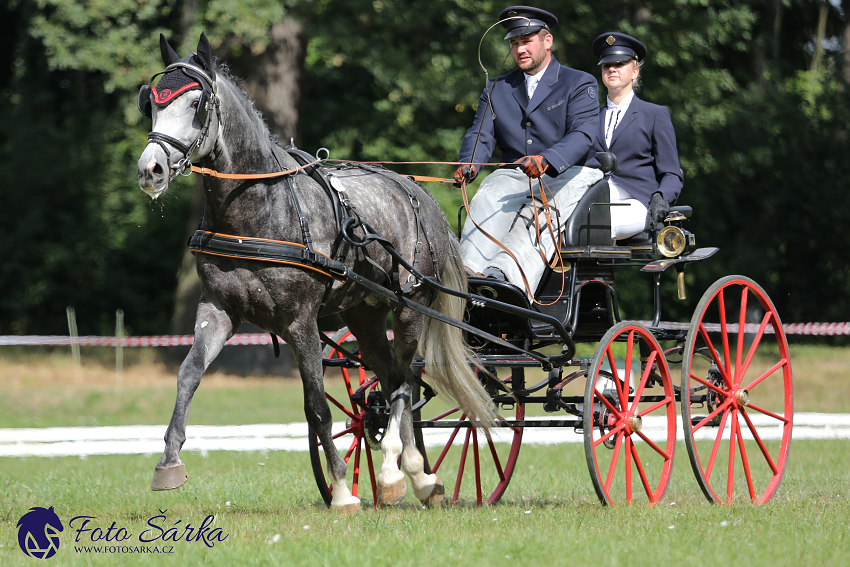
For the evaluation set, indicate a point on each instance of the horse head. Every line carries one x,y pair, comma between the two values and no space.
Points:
184,108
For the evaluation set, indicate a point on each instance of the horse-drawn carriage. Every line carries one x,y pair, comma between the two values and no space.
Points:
284,240
732,378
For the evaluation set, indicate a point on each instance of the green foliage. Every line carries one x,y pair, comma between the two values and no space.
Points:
761,121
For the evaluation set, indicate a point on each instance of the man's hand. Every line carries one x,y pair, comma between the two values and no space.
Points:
533,166
657,211
465,174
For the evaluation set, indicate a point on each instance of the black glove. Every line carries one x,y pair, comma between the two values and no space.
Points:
533,166
465,172
657,211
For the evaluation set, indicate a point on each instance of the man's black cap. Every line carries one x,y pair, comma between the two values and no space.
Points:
525,20
616,47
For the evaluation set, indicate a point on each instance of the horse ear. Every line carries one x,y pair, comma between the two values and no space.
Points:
204,52
169,56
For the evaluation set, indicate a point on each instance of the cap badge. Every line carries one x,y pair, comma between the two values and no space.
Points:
610,40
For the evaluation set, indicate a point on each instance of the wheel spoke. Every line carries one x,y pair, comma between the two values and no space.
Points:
716,445
724,332
446,414
655,406
644,377
496,461
710,416
642,474
655,447
605,437
732,436
742,323
355,483
759,442
445,449
769,413
341,407
624,391
628,442
769,372
615,374
754,345
607,404
746,463
478,498
708,384
461,467
615,458
724,373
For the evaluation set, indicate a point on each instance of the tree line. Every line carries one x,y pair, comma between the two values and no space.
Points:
759,92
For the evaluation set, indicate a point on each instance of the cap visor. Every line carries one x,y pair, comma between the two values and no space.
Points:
615,58
523,30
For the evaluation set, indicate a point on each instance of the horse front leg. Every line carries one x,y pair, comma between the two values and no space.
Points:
213,326
303,338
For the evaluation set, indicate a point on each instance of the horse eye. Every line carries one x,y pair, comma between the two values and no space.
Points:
195,104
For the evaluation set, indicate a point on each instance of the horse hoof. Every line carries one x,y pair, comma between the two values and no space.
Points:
352,508
437,496
169,477
392,494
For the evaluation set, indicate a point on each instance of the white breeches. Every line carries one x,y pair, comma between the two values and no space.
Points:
626,221
502,207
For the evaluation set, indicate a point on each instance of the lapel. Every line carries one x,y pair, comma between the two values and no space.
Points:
544,87
600,132
631,113
517,83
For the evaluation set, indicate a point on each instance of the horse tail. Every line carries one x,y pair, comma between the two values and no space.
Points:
448,361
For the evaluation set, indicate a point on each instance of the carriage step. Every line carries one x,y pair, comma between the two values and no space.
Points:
696,419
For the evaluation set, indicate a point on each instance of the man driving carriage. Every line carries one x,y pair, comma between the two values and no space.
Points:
543,117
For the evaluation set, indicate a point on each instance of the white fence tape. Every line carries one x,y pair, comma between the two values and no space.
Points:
148,439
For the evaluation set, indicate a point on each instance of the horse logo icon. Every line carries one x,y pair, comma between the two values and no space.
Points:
38,532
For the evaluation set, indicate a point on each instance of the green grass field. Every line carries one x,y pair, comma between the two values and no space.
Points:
269,507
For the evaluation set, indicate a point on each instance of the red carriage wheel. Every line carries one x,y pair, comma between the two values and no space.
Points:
356,434
629,417
475,466
737,395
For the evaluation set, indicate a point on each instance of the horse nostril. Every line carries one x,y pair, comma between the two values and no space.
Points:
157,169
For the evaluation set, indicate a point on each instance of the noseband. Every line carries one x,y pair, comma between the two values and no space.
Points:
208,102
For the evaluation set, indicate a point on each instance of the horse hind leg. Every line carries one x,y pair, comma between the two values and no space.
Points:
212,328
428,488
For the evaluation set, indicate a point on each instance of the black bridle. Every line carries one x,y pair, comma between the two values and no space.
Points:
208,102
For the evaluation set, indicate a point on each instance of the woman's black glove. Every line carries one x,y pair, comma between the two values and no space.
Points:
657,211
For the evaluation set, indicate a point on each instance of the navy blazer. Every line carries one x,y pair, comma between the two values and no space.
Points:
645,145
559,123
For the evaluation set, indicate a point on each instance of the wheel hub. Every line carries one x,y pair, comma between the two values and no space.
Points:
742,397
634,423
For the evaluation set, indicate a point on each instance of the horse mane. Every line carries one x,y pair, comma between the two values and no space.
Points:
223,71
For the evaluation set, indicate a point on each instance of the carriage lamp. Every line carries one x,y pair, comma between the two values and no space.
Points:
673,241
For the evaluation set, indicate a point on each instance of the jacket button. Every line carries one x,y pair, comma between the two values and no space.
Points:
528,142
528,123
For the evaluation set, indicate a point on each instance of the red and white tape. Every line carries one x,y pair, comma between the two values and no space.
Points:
813,329
149,341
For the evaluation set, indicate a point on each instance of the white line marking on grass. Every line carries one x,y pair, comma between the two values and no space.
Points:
147,439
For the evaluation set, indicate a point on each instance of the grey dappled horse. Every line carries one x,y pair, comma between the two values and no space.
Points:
209,120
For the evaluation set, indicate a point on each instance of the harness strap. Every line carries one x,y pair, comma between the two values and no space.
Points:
276,251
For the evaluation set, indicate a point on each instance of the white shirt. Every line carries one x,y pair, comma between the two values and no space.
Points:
613,114
532,80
